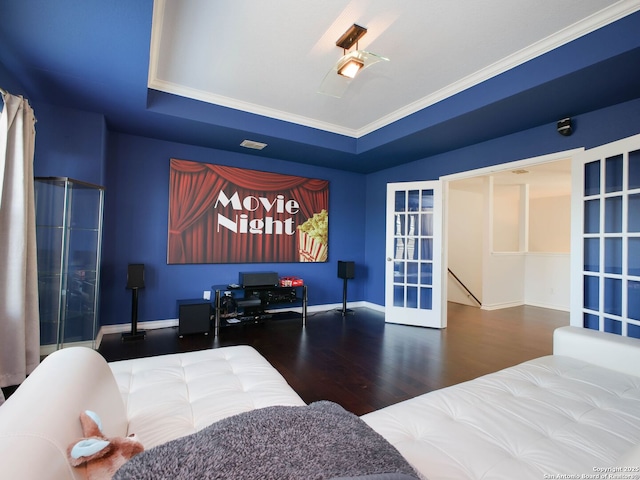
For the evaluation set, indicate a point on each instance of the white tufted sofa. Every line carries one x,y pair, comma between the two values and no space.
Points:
576,412
157,398
570,413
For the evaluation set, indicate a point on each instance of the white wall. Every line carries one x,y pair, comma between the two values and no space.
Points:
548,269
547,280
550,224
529,262
464,242
504,275
506,218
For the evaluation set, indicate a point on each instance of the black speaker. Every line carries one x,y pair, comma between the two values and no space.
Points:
194,316
135,281
135,275
346,270
259,279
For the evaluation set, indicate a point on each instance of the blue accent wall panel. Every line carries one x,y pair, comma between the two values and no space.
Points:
136,219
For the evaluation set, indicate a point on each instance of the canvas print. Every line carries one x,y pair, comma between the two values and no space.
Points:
221,214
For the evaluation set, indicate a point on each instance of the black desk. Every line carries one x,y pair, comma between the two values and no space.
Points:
251,303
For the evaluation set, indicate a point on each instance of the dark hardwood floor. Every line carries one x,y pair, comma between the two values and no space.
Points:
364,364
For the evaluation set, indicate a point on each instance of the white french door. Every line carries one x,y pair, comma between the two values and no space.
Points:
605,245
413,273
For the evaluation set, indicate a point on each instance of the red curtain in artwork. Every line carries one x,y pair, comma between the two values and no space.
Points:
195,234
192,188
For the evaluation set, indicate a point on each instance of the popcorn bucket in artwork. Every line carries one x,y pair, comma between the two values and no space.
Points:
312,238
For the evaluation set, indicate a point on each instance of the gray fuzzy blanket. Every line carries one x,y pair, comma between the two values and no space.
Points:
318,441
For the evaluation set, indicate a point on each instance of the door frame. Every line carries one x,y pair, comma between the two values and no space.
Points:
517,164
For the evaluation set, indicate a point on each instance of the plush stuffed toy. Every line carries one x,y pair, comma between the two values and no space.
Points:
103,456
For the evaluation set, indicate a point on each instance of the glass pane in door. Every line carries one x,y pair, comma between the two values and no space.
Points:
613,255
634,170
592,178
613,174
633,220
413,248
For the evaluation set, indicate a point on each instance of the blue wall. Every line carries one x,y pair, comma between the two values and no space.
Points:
135,230
69,143
10,83
135,172
590,130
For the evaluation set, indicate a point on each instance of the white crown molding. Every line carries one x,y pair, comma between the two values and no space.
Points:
590,24
154,48
600,19
196,94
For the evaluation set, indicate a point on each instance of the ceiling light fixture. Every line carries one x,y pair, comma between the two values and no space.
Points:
350,67
350,64
351,37
353,60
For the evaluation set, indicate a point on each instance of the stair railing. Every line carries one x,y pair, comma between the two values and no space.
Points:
469,294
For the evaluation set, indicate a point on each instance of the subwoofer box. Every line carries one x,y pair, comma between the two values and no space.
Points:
194,316
258,279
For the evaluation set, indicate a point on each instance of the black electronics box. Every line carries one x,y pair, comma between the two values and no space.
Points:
259,279
194,316
269,296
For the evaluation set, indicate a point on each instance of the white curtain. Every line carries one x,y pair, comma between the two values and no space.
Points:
19,315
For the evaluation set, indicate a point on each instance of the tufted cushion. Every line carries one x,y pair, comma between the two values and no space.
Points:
171,396
553,415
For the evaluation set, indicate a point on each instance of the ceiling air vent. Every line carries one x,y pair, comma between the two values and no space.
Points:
253,145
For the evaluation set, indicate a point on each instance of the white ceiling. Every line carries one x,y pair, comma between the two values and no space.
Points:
270,58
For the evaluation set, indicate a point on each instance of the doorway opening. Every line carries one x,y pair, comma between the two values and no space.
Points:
507,234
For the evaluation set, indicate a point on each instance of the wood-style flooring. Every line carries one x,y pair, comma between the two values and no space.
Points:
364,364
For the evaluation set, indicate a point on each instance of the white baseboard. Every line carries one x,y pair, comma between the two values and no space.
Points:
372,306
498,306
126,327
148,325
173,322
561,308
49,349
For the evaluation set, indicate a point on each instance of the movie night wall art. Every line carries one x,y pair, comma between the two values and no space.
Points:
220,214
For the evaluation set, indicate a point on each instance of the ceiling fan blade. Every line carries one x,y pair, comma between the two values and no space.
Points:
334,84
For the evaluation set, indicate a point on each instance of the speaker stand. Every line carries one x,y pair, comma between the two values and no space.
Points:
345,311
135,334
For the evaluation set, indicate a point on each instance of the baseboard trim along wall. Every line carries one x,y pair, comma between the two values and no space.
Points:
173,322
